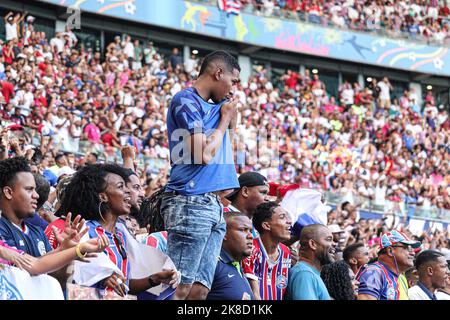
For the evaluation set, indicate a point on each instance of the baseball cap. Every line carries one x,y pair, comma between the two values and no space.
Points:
334,228
66,170
390,238
249,179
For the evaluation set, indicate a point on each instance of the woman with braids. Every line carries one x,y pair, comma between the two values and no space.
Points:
339,280
149,217
100,194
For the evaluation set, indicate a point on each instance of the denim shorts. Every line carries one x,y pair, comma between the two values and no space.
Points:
195,227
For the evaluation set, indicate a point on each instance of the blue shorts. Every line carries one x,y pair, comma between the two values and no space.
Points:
195,228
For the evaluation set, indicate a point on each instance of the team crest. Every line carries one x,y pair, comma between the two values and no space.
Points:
390,293
41,248
281,281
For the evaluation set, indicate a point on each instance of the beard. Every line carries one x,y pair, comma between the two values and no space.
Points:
134,211
325,258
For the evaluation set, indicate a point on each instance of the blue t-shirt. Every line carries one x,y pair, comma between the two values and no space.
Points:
409,142
229,283
37,221
51,177
29,238
189,113
379,281
305,283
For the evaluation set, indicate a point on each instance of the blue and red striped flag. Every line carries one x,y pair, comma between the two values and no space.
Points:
229,6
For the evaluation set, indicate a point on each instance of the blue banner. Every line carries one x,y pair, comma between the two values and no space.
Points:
275,33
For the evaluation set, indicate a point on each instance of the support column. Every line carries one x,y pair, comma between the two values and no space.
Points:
418,88
302,70
60,25
361,80
246,67
186,53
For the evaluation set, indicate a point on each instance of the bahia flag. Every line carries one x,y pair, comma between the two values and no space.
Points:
305,207
229,6
144,261
17,284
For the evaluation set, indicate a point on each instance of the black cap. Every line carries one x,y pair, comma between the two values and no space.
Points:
249,179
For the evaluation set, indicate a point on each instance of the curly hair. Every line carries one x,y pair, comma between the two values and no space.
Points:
337,280
81,195
262,213
9,168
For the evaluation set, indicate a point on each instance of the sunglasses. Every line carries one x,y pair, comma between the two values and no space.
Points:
120,246
408,247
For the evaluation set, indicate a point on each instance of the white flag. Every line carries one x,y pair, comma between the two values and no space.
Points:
305,201
17,284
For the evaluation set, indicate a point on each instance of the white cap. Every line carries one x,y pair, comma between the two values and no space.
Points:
31,18
334,228
66,170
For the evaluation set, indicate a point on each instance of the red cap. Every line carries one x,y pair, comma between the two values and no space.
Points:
273,187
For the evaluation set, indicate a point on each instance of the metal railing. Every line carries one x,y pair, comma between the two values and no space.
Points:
155,164
398,208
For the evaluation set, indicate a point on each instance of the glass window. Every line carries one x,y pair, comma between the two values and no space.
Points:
399,88
89,38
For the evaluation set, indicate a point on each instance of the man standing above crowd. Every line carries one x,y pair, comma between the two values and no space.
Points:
202,165
380,280
316,249
229,280
433,273
270,261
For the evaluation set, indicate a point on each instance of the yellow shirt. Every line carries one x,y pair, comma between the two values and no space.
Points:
403,287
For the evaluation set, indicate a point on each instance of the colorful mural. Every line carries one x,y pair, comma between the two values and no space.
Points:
275,33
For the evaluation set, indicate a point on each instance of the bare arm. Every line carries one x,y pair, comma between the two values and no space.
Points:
8,15
139,285
128,156
254,284
52,262
209,145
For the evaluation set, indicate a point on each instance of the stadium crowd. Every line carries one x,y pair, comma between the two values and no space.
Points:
64,107
418,19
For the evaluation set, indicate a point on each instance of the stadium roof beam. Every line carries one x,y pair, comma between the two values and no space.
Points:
250,49
421,77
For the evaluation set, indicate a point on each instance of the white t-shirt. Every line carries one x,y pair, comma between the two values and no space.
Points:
58,43
129,50
385,91
348,96
416,293
189,65
11,31
442,295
